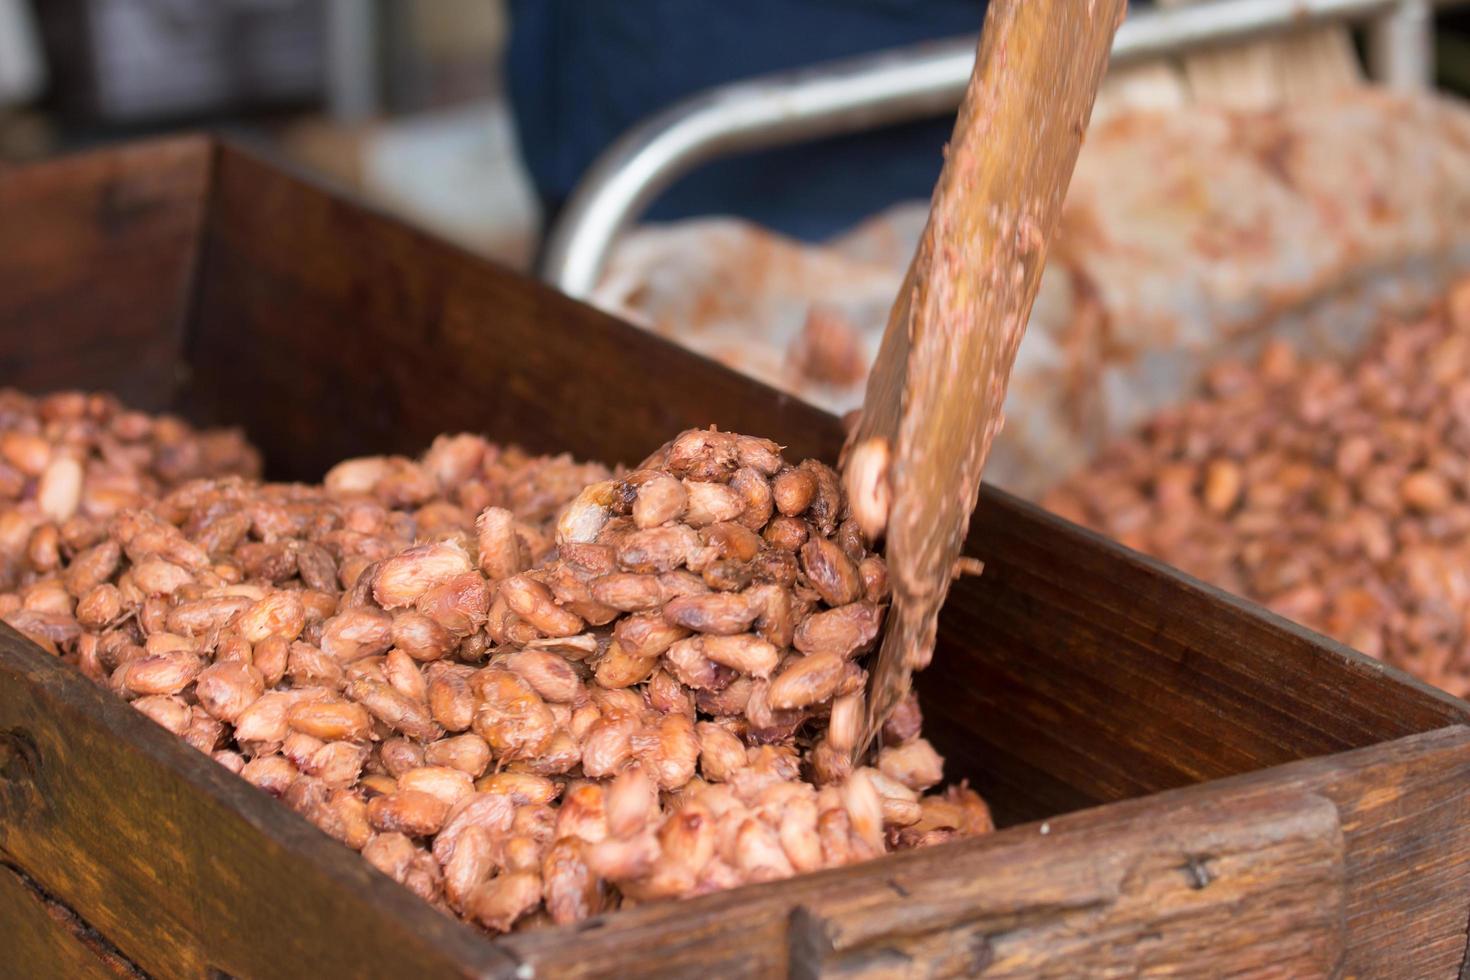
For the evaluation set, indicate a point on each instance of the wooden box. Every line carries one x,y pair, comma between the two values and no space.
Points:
1184,782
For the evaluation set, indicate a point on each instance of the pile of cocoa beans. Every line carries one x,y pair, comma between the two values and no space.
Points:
72,453
530,690
1336,494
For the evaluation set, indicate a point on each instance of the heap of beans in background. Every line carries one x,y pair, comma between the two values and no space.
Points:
527,689
1338,496
72,453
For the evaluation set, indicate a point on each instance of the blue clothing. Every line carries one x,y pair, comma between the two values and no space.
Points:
582,72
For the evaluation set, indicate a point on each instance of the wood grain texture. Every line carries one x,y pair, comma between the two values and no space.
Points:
43,939
98,257
1405,826
936,389
1253,881
341,332
183,866
1075,672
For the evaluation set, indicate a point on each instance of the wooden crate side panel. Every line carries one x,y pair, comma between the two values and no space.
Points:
328,330
1239,886
1246,882
1405,829
1097,674
166,873
1405,813
183,866
40,938
96,258
1402,807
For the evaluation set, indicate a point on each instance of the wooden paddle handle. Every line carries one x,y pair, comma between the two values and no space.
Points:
934,398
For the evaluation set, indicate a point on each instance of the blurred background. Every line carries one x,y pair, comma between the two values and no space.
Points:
403,101
1250,355
408,101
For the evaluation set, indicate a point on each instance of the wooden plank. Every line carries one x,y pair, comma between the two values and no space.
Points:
184,866
42,938
98,252
1256,881
1405,825
1406,821
329,330
935,393
1075,672
1249,880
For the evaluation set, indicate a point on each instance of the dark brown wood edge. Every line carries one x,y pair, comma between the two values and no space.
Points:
45,927
263,152
1441,707
905,899
1237,883
183,865
1402,808
98,252
83,153
1102,674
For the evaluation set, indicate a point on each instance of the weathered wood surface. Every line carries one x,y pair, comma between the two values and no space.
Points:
96,264
1094,877
185,867
1208,881
40,938
1406,824
1405,874
335,331
1253,884
1076,672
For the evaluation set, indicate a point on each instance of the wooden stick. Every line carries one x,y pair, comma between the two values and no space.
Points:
933,401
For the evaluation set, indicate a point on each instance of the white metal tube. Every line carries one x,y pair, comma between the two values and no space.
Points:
862,93
1401,46
22,65
352,60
